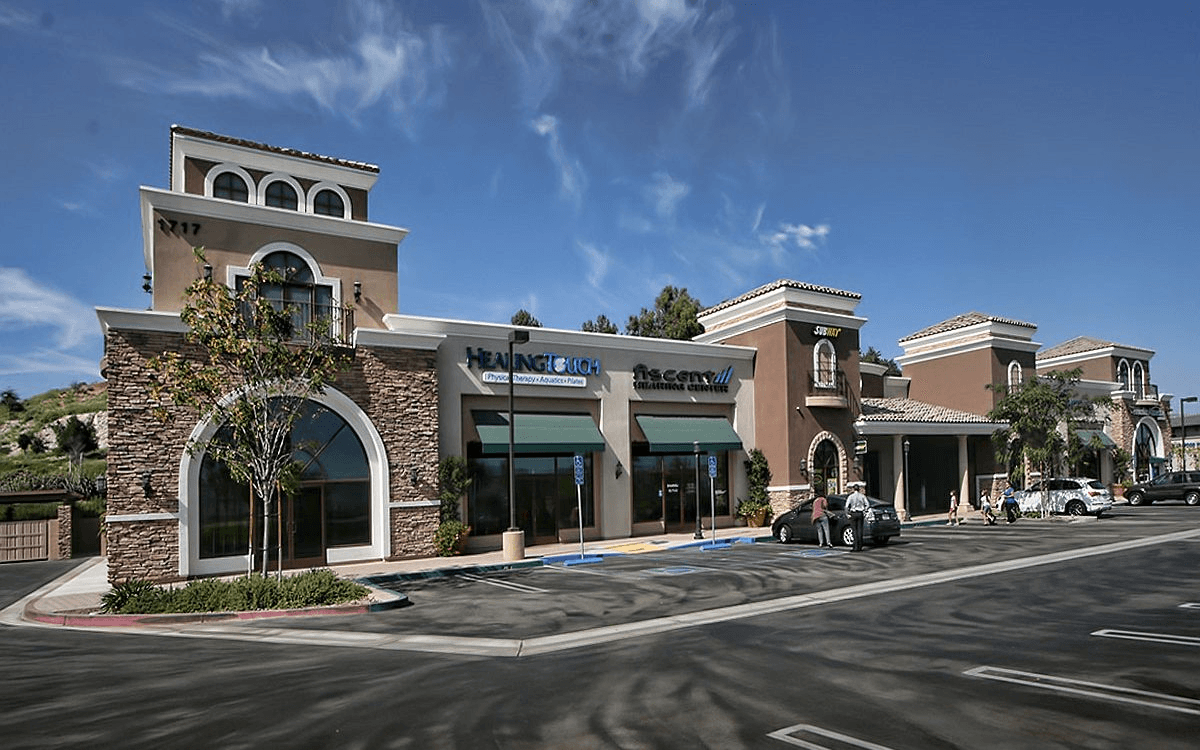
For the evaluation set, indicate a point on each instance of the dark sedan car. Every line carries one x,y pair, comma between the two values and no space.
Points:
879,524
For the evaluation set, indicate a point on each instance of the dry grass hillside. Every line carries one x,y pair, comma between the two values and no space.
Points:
28,441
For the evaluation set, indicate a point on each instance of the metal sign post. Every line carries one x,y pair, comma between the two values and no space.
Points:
579,498
712,492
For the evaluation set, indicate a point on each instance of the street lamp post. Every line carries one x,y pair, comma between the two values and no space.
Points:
906,448
1183,426
513,540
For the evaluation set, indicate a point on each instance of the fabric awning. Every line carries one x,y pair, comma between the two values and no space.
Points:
1086,437
686,434
538,433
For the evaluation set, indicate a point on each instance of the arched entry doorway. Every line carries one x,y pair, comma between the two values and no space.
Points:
825,469
1146,457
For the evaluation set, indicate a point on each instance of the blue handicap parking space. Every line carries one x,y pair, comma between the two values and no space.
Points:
815,553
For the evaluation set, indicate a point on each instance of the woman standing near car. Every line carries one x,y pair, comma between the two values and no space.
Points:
820,519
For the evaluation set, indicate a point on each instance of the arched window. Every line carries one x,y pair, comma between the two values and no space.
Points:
1139,379
331,507
329,203
1014,375
1144,450
824,470
231,187
824,364
1123,374
282,195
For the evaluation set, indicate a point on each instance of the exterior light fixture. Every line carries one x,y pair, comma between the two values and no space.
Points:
357,292
803,466
146,486
207,272
620,469
146,287
414,476
1183,426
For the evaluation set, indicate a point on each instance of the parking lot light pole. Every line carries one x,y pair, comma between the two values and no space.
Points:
1183,426
696,454
906,482
513,540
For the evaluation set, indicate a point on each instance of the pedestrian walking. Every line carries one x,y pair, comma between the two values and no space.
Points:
857,505
1010,505
985,510
952,518
820,519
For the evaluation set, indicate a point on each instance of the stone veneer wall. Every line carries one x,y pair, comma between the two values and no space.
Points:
784,500
66,513
395,388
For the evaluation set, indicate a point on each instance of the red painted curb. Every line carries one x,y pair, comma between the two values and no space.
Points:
119,621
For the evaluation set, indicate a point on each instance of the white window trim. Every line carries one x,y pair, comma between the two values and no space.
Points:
251,186
817,380
233,273
190,563
334,187
1127,384
281,177
1015,366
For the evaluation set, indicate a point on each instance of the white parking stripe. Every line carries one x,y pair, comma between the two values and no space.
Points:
1134,635
788,735
1190,605
503,584
1090,689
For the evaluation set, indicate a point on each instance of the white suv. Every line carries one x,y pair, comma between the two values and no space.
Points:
1074,496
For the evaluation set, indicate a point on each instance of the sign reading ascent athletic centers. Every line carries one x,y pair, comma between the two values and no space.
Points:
653,378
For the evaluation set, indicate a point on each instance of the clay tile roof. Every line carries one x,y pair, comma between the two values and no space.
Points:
1077,345
962,321
184,130
907,410
781,284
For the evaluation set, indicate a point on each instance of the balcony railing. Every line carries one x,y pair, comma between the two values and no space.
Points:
1146,393
828,388
299,315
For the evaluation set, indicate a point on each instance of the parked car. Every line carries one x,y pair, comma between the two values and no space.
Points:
880,523
1075,496
1174,485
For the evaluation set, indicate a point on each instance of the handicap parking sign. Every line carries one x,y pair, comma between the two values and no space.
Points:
712,466
578,469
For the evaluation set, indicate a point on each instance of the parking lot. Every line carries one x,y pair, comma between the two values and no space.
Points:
1046,634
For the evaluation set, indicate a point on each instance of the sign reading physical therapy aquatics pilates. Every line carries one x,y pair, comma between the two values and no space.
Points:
653,378
547,368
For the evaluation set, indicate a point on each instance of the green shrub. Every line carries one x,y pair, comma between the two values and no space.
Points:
34,511
312,588
93,508
447,538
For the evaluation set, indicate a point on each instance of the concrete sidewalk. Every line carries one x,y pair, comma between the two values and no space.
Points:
74,599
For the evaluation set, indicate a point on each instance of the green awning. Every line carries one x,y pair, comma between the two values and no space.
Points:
538,433
687,434
1085,436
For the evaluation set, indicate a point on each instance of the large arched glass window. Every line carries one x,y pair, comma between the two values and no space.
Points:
231,187
282,195
1144,450
299,292
824,364
1139,379
329,203
330,508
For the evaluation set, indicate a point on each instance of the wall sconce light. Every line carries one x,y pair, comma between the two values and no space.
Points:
620,469
803,467
146,486
414,476
146,287
357,292
207,272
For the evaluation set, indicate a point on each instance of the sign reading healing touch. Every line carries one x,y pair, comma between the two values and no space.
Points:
547,368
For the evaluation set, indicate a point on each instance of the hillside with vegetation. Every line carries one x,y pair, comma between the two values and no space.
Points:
57,439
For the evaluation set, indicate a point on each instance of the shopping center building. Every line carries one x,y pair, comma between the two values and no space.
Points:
662,427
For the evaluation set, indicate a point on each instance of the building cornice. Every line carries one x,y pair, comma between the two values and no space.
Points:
778,315
139,320
948,349
1108,352
374,337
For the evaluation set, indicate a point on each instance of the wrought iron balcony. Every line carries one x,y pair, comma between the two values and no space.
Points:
828,389
298,318
1146,394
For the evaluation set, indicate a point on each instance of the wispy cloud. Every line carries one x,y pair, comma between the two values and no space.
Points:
24,304
571,179
17,18
49,362
598,263
386,64
665,193
801,236
545,37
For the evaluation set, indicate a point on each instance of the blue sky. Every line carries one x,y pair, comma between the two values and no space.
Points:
1034,160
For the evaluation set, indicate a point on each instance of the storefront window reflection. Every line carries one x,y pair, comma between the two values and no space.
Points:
546,499
664,488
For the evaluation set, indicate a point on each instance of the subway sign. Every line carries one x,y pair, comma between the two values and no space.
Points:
547,368
655,379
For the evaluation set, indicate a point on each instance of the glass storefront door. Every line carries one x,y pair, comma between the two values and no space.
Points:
664,489
546,500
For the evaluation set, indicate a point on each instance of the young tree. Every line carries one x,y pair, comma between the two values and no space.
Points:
11,401
874,355
525,318
600,325
262,360
673,317
75,438
1041,413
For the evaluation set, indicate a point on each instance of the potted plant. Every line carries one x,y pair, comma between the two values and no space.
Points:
453,481
757,508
